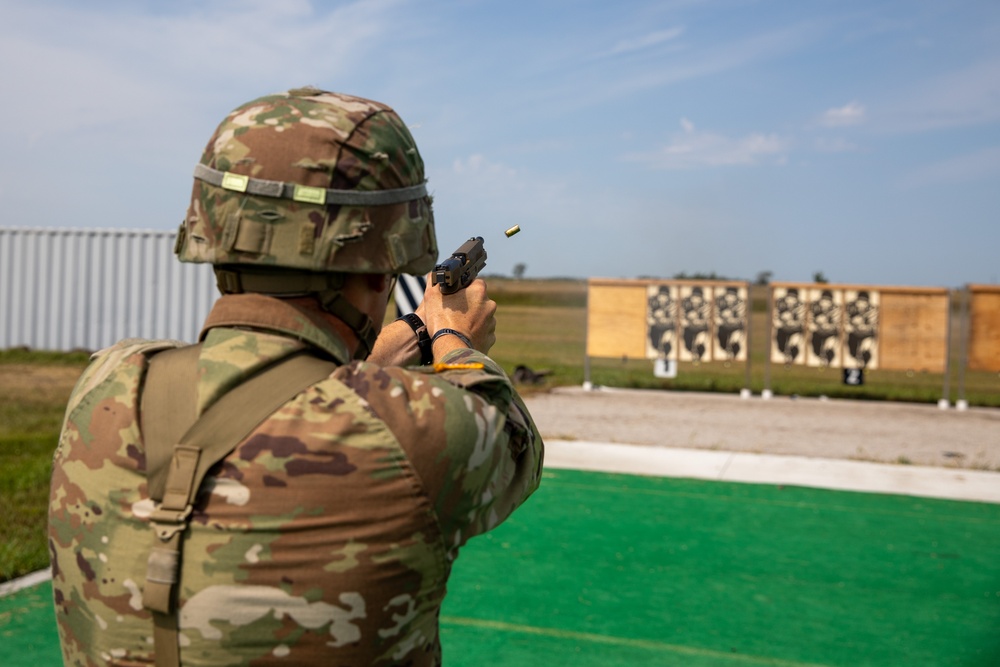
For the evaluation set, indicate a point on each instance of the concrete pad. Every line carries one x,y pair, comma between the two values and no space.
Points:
27,581
908,480
635,460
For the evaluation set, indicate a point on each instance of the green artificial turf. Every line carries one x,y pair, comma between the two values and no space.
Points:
602,569
28,628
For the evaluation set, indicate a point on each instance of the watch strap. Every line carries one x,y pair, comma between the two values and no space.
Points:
423,338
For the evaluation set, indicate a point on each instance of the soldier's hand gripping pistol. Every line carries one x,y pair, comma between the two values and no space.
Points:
459,270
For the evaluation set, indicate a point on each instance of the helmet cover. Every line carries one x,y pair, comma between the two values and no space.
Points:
310,180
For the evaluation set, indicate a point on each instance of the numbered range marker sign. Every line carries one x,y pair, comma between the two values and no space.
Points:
854,376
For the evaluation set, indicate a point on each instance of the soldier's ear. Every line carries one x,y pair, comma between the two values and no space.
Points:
377,282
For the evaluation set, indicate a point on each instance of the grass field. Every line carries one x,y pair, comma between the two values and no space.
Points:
33,392
541,324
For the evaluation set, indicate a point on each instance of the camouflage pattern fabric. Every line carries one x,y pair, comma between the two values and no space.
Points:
326,537
316,139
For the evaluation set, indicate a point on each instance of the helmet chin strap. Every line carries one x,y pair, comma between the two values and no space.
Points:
326,286
334,303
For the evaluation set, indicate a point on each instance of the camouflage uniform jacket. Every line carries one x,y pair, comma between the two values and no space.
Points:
326,537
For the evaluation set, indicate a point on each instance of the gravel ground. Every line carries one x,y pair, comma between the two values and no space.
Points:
917,434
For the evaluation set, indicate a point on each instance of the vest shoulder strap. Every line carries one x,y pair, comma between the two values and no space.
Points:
179,455
168,407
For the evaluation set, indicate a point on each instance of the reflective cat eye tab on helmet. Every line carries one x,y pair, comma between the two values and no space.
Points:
306,194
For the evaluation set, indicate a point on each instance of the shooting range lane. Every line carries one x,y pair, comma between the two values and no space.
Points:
666,436
598,595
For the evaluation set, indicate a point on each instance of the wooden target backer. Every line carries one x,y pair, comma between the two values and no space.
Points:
914,329
616,318
984,327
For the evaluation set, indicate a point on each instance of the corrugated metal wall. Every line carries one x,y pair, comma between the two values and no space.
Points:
66,289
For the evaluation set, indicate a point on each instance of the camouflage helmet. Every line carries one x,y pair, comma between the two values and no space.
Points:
310,181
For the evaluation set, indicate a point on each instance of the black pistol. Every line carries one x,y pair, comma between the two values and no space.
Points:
462,267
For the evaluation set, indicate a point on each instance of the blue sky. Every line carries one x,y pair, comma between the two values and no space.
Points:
626,138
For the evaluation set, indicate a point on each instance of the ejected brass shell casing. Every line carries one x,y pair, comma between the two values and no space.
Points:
513,230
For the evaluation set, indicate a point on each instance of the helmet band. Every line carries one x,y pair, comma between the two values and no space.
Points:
306,194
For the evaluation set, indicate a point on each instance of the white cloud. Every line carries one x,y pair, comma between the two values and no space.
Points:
644,41
90,68
694,149
486,183
478,166
122,96
477,194
703,59
852,113
836,145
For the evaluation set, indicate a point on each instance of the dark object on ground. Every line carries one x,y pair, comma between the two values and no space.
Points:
524,375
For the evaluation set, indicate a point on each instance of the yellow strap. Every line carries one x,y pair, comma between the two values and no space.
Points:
474,366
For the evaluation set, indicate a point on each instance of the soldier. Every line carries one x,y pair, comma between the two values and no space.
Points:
313,511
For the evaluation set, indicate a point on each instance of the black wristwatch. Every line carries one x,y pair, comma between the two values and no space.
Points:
423,340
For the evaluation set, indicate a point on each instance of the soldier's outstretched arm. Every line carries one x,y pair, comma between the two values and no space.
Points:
466,433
